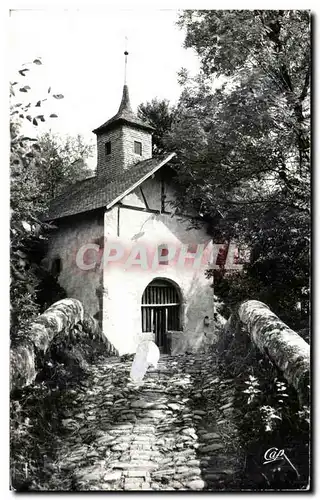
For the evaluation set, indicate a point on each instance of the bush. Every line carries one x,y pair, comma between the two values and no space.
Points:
268,415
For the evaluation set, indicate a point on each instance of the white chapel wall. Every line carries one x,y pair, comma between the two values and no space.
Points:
65,243
124,286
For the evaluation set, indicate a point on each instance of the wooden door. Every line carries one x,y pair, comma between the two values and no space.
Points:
160,328
160,311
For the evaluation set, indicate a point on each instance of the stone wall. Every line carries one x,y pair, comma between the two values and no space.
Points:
122,150
284,347
109,165
131,134
59,318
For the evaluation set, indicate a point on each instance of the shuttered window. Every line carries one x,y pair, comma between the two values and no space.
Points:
138,147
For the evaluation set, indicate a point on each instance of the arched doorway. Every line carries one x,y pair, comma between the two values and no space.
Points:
160,311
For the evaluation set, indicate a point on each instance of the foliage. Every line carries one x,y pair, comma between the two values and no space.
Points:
243,147
160,115
268,416
69,357
39,167
62,162
252,388
27,201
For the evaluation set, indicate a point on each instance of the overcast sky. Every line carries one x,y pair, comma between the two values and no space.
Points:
82,55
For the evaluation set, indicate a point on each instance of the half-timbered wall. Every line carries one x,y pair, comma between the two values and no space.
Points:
124,288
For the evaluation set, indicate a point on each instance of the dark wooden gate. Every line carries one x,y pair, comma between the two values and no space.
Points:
160,311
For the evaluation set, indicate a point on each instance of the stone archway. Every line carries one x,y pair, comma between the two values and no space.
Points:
161,311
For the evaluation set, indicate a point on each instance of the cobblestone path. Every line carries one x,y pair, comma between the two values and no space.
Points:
174,431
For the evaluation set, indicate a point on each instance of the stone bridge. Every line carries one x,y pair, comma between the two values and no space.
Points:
177,430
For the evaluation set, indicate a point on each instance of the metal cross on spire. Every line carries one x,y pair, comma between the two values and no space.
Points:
126,53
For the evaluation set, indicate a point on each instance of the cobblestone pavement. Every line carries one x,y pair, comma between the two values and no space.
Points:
174,431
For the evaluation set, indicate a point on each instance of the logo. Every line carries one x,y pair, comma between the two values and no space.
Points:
145,256
274,454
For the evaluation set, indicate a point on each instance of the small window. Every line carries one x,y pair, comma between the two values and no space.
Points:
138,148
108,148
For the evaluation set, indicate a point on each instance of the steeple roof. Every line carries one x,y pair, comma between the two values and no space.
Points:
125,115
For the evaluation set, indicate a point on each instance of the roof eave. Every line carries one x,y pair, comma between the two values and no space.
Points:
120,121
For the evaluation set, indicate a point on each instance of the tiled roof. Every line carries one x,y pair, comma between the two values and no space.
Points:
97,192
124,115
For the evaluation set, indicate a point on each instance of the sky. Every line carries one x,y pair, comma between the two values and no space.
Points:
82,56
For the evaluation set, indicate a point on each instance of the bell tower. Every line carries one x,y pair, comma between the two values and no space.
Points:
124,140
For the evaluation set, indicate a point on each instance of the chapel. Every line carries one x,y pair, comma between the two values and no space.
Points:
121,248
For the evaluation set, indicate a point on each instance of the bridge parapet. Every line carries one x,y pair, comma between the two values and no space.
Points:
284,347
58,319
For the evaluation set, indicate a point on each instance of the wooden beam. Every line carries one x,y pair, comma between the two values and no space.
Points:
140,181
140,209
144,199
158,212
163,196
161,305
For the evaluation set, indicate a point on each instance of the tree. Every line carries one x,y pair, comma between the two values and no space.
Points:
63,162
247,166
40,168
27,201
273,46
160,115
